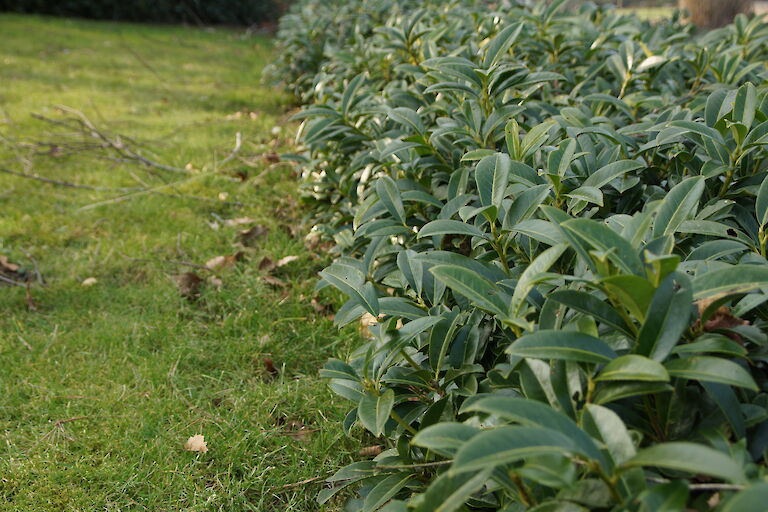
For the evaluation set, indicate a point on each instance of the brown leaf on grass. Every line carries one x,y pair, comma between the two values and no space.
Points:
272,158
291,229
315,243
11,271
286,260
222,262
90,281
189,284
299,431
321,309
240,221
274,282
249,237
196,444
6,267
371,451
267,265
270,367
215,282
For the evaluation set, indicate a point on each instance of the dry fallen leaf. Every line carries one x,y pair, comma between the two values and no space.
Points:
11,271
8,267
196,444
286,260
315,243
89,281
721,318
240,221
270,367
189,284
704,304
267,265
215,282
298,430
273,281
220,262
249,237
366,321
321,309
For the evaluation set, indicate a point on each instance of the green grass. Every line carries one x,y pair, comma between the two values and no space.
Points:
130,367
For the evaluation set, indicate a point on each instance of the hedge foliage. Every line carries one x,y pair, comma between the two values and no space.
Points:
231,12
558,219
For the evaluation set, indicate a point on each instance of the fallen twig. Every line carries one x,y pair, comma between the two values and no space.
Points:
11,281
236,150
88,128
34,264
156,190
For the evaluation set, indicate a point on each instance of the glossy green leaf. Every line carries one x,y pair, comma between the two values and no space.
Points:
711,369
602,238
531,275
501,43
633,367
668,317
351,280
678,206
761,206
610,172
689,457
590,305
472,285
385,491
533,413
605,425
612,391
562,345
449,227
373,411
445,438
386,188
730,280
753,497
492,177
505,445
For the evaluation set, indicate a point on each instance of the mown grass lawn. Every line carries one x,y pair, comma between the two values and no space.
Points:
101,385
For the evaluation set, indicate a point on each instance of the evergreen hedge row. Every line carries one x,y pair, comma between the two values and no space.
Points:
559,221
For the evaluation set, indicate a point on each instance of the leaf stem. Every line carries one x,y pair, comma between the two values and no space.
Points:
401,422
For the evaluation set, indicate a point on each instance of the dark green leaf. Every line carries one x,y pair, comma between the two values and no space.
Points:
562,345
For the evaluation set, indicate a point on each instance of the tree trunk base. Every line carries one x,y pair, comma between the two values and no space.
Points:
711,14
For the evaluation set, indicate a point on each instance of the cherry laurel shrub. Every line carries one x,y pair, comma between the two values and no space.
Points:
558,219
